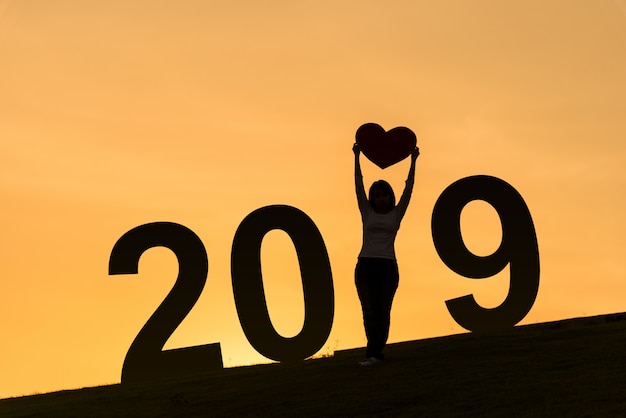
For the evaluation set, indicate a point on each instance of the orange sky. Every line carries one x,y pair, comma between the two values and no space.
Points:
113,115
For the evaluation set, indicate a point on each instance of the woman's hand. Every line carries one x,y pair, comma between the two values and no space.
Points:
356,148
415,153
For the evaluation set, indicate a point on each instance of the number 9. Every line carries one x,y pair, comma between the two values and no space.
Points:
518,249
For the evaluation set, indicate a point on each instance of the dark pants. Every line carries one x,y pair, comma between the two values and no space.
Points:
376,282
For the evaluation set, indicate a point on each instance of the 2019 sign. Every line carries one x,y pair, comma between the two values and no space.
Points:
146,358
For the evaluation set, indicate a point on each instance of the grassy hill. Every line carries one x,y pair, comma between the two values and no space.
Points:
570,368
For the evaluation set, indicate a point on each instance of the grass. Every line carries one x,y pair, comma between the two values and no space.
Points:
572,368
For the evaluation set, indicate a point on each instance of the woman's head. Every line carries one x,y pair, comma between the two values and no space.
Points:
381,197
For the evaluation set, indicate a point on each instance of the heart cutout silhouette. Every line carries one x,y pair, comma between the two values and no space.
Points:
385,148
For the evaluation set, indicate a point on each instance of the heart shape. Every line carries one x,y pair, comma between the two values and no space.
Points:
385,148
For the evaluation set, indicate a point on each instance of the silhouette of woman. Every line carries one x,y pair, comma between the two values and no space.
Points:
376,274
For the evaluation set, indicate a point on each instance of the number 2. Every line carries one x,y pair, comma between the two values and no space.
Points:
518,249
146,359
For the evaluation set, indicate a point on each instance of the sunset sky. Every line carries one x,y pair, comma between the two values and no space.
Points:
118,113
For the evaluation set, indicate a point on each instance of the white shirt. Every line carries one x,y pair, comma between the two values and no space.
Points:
380,230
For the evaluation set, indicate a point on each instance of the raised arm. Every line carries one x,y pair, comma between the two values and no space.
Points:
361,197
403,203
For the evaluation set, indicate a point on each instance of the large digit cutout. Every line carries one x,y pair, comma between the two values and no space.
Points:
317,283
145,359
518,249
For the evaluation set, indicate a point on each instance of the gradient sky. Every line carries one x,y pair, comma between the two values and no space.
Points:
114,114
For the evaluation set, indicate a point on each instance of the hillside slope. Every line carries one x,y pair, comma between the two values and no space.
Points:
568,368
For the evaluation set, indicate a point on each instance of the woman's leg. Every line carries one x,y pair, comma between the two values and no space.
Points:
365,286
388,284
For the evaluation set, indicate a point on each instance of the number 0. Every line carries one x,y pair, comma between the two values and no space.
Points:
317,283
518,249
